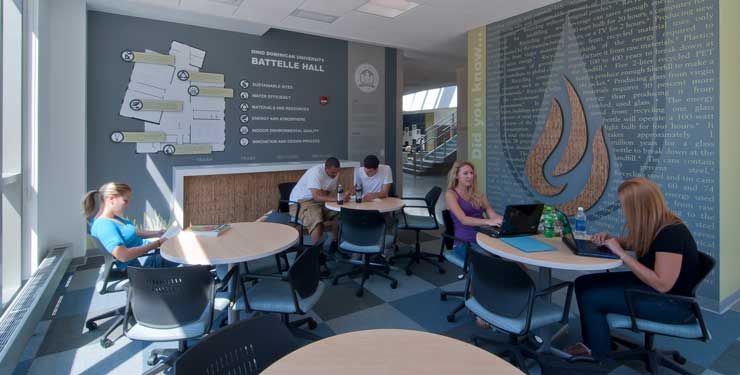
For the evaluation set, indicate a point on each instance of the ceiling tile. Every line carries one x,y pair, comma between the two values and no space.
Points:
333,7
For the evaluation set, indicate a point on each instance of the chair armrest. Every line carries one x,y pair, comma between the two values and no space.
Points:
298,208
412,199
568,297
632,295
407,206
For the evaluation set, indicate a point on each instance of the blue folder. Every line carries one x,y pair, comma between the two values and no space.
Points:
527,244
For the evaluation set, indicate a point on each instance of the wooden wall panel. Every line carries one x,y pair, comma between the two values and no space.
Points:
237,198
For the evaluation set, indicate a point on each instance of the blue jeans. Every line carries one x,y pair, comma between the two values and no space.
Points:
599,294
156,261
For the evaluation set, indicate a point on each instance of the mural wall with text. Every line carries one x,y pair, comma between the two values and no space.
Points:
164,94
581,95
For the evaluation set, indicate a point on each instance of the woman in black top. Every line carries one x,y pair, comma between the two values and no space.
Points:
667,262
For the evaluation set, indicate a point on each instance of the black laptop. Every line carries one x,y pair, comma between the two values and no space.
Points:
584,248
519,219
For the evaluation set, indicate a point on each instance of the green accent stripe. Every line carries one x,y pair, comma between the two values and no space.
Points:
477,102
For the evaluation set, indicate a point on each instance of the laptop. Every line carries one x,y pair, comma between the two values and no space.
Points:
584,248
518,220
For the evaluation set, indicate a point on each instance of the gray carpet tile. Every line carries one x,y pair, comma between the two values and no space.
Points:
380,316
340,300
729,361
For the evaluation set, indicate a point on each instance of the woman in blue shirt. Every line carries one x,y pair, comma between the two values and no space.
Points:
118,235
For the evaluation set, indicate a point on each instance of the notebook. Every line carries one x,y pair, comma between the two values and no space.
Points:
527,244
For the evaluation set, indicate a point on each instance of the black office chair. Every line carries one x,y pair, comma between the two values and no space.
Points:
448,240
296,293
363,232
169,304
693,328
502,294
419,223
246,347
110,280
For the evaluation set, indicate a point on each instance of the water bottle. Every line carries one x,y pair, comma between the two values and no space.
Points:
358,193
549,227
580,231
340,194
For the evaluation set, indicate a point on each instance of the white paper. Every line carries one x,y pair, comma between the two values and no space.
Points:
172,231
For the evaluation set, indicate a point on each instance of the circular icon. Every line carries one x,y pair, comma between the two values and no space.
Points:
116,137
193,90
136,104
168,149
244,95
127,55
244,142
244,119
244,129
244,107
244,83
367,78
183,75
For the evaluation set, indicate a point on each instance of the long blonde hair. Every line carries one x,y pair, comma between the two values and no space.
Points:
476,197
645,212
110,189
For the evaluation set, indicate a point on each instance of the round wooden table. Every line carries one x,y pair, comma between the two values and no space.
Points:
390,352
242,242
561,258
389,204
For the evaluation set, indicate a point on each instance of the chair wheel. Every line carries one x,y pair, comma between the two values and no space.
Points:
359,293
442,297
312,324
394,284
106,343
451,318
679,358
91,325
441,271
335,282
408,272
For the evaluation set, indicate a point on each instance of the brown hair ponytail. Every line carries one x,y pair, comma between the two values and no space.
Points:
109,189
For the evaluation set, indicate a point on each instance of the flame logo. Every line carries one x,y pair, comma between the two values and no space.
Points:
572,157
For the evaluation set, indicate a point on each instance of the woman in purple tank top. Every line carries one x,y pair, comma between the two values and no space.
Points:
467,204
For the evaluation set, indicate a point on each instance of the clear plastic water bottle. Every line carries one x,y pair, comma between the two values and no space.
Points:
580,231
340,194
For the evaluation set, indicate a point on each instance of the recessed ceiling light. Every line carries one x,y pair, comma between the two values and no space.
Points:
387,8
313,16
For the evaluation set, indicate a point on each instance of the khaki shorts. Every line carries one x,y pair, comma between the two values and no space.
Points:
314,213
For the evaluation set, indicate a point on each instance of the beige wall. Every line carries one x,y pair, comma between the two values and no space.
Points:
729,152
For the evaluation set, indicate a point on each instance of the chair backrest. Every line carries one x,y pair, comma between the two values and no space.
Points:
501,287
431,199
305,272
108,273
170,297
362,227
247,347
449,229
706,264
285,188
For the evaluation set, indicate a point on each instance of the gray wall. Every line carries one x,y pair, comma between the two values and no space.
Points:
366,101
647,73
226,52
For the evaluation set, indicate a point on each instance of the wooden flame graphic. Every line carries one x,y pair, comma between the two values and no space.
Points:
574,152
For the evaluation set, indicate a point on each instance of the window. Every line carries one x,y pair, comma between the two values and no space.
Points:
11,92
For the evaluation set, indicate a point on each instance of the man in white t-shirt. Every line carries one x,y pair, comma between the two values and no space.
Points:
316,187
375,179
